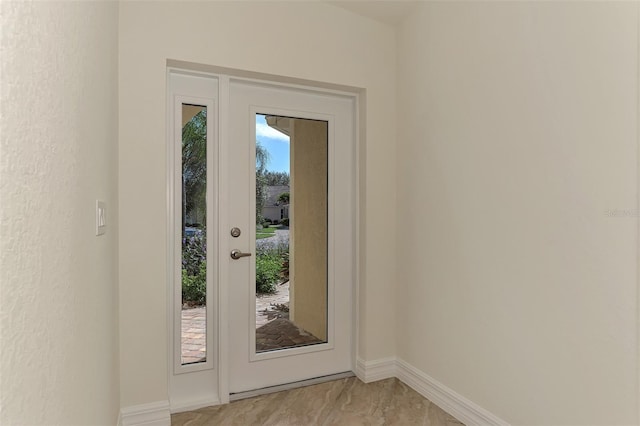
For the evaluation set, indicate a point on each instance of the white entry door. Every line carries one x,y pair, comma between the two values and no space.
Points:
291,240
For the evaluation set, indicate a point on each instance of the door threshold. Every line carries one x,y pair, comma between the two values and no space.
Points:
289,386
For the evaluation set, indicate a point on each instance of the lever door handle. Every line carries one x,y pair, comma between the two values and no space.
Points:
237,254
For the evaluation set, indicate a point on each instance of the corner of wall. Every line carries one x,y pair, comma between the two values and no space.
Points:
453,403
638,206
151,414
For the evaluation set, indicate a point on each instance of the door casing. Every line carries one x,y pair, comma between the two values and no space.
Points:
194,388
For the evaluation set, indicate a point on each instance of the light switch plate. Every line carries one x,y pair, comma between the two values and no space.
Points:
101,217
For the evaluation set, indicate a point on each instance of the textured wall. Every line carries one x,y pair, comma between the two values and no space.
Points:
517,145
58,307
331,45
309,151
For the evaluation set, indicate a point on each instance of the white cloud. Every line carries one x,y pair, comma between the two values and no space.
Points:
262,130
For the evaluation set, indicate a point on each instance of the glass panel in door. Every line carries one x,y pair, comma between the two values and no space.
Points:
194,234
291,232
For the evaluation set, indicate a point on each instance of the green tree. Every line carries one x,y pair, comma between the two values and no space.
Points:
194,168
262,160
277,178
284,198
194,188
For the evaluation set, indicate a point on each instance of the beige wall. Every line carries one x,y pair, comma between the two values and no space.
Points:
256,36
517,132
309,149
58,281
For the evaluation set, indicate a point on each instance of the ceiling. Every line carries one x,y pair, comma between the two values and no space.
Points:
387,11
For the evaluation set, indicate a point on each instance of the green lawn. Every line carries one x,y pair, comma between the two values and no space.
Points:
265,233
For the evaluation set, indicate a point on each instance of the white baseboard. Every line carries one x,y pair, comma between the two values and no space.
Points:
194,404
372,371
159,414
450,401
152,414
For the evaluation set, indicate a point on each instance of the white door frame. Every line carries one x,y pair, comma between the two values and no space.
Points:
206,393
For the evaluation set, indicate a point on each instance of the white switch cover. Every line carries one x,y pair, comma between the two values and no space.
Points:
101,217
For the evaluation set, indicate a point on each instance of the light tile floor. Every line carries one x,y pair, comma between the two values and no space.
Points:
340,402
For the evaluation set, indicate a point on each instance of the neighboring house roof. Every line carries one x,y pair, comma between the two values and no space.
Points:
273,192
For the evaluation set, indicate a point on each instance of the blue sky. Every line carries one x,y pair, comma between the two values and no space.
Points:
276,143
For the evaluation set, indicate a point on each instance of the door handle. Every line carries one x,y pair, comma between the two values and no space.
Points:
237,254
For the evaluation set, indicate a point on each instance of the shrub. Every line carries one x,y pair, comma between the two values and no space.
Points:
194,269
272,248
270,265
285,222
267,273
284,270
194,287
194,252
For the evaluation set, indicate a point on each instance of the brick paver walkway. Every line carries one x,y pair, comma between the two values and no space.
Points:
267,305
193,336
280,332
